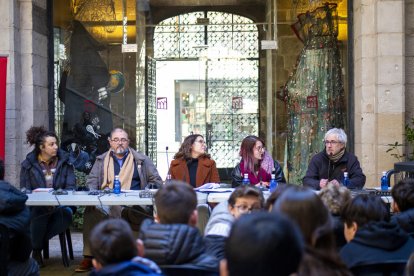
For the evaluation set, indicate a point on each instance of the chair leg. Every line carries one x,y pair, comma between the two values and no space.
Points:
46,250
69,240
63,249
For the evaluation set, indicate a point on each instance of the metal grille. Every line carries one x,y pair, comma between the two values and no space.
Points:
228,45
151,110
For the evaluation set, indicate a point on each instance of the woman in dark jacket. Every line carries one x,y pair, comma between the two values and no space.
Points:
46,167
257,163
192,164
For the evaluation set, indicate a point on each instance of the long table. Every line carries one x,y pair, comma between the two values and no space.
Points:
130,198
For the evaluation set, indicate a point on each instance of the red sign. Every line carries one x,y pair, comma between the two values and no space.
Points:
312,102
3,75
162,103
237,103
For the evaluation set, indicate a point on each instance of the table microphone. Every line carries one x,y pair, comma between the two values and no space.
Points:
168,166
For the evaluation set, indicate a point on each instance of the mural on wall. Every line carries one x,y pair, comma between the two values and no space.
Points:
84,89
314,93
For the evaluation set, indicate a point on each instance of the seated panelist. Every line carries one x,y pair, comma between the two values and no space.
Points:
257,163
46,166
192,164
329,165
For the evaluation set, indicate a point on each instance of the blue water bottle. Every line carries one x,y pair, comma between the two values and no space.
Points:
273,183
246,180
346,179
117,185
384,182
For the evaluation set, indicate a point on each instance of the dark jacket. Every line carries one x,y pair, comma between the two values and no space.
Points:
147,172
206,171
16,217
320,167
237,176
129,268
377,242
405,220
175,244
32,177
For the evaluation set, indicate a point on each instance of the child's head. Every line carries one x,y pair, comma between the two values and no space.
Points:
245,199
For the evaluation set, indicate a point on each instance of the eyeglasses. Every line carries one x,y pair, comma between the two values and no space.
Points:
117,140
260,148
200,141
246,209
333,143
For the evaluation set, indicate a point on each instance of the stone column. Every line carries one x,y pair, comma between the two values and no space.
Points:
379,83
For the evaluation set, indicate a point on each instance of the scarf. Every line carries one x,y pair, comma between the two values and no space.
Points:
264,174
125,174
334,158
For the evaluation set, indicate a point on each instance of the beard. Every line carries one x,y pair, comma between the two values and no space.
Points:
120,150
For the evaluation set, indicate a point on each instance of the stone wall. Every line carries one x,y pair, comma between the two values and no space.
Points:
24,42
409,63
379,83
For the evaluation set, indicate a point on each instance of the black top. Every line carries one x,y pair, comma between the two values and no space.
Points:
192,165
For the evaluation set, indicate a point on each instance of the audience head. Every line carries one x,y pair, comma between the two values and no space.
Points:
118,141
112,242
263,244
307,210
335,141
176,202
245,199
45,142
252,150
403,195
362,210
281,187
193,146
334,197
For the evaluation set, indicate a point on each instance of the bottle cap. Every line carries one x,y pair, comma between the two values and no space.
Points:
273,176
345,173
384,173
246,175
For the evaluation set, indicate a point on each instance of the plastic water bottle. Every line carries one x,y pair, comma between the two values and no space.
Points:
117,185
246,180
384,182
273,183
346,179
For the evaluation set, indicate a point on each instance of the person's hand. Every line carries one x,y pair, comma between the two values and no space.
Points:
335,182
263,184
323,183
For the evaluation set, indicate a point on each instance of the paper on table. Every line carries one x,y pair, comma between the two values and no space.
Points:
43,190
216,190
208,186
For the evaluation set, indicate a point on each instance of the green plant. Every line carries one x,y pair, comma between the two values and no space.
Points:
409,137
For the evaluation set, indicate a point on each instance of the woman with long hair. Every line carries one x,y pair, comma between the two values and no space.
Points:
46,166
257,163
192,164
307,210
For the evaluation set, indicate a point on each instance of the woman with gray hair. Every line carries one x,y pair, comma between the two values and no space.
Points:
330,165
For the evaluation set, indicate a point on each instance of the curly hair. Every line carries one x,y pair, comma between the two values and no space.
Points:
184,151
35,136
335,197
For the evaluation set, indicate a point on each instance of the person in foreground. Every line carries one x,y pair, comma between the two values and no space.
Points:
15,216
403,204
329,165
46,166
264,244
192,164
306,209
371,237
257,163
116,252
135,170
173,238
243,200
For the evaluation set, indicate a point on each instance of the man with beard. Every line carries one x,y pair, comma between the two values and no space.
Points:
136,172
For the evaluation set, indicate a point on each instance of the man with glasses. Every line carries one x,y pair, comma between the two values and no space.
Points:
243,200
136,172
330,165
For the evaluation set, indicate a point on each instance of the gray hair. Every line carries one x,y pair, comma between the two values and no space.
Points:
339,133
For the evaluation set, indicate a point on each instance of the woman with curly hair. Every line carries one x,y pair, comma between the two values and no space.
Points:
46,166
192,164
257,163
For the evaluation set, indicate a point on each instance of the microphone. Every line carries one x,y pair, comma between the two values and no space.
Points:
168,166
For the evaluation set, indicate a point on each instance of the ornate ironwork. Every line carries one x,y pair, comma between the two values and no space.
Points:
151,111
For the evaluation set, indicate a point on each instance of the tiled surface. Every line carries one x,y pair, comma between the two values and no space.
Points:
54,265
